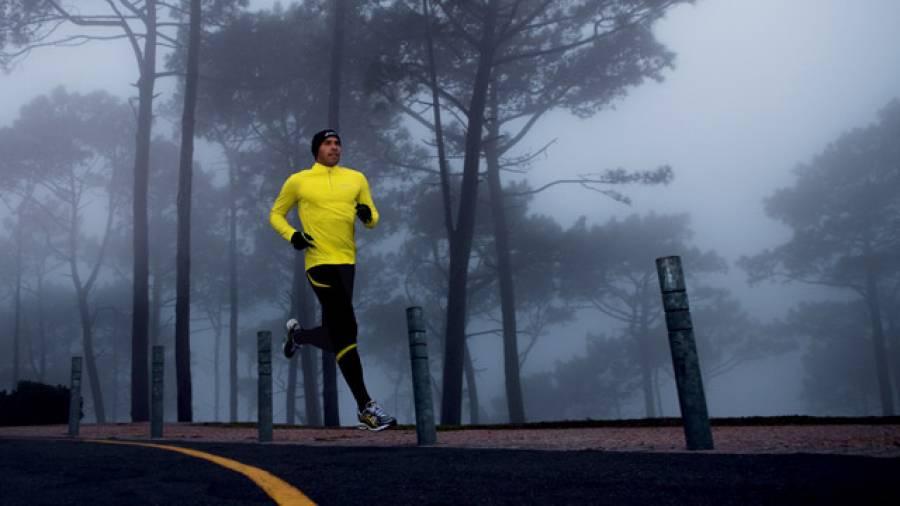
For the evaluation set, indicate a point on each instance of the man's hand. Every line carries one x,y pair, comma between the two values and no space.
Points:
364,213
302,240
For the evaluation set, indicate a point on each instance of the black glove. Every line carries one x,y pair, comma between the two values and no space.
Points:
302,240
364,213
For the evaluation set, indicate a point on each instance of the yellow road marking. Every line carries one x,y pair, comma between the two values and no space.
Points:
282,492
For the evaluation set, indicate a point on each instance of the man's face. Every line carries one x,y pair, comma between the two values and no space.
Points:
329,152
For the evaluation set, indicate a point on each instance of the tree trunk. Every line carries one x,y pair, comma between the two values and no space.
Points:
155,301
881,365
217,377
304,308
647,378
329,365
893,352
232,294
17,328
82,292
42,328
337,54
639,333
461,241
290,401
438,126
35,372
116,332
656,393
87,336
329,390
140,380
514,403
647,384
312,408
472,388
185,176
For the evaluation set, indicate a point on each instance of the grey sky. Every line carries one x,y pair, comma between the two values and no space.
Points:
759,86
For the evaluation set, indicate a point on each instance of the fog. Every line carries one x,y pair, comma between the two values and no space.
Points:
756,88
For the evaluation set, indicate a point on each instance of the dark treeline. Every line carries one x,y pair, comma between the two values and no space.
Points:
433,99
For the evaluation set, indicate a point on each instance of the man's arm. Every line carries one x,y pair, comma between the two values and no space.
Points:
365,198
286,200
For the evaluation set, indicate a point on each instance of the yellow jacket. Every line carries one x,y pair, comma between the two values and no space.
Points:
326,199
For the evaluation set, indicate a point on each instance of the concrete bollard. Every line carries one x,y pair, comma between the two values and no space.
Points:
426,432
75,397
156,391
264,395
684,354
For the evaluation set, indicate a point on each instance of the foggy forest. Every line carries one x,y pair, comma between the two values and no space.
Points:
530,159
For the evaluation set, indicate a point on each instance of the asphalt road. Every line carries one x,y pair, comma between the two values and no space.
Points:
71,472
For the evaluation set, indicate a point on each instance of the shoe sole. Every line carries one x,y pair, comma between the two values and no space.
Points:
288,336
284,350
380,428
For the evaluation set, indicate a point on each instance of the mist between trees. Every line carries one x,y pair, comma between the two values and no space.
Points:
432,100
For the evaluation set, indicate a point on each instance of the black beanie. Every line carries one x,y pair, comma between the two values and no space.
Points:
320,137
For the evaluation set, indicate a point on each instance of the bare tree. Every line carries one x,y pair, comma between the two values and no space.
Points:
30,25
844,210
559,45
185,174
329,366
71,144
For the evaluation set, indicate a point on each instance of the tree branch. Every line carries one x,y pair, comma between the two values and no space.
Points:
484,332
139,56
70,41
612,311
174,8
566,47
529,157
173,73
173,41
537,11
130,6
513,10
109,220
459,27
609,178
82,20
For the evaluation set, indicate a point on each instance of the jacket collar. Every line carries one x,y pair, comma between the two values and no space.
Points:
319,167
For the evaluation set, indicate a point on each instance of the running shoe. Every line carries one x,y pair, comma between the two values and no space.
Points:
289,346
374,418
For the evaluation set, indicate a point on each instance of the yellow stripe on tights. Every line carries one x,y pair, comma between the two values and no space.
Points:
316,283
344,352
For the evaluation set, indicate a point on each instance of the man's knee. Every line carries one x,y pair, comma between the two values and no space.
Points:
347,321
352,329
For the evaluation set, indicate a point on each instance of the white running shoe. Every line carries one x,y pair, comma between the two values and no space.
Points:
289,347
374,418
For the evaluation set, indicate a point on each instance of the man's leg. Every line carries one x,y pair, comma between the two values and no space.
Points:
295,335
316,336
334,287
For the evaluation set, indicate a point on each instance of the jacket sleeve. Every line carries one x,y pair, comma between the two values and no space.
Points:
286,200
365,197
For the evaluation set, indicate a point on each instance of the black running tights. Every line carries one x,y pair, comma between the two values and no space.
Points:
333,285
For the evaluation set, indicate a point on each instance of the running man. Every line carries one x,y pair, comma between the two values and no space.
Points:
329,198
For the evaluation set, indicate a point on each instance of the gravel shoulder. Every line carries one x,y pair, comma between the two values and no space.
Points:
870,439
